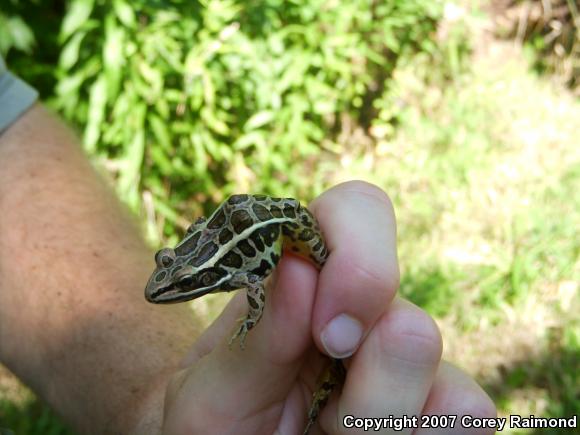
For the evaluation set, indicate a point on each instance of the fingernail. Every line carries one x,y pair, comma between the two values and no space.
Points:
341,336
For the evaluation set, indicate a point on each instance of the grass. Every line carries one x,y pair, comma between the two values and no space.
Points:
21,412
484,173
33,418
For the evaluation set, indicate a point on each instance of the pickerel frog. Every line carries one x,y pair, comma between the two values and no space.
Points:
237,247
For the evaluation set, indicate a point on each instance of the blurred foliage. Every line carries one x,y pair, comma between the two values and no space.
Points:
222,96
195,100
14,32
552,29
33,34
32,417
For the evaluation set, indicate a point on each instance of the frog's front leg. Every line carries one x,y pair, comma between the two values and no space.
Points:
256,295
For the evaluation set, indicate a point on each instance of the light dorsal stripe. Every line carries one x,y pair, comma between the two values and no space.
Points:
242,236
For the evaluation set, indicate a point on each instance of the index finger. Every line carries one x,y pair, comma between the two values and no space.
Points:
361,274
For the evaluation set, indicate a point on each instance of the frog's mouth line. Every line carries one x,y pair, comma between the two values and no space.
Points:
172,294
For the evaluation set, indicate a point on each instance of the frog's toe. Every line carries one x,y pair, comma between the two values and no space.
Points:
241,333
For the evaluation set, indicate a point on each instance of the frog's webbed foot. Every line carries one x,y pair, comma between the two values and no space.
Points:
256,296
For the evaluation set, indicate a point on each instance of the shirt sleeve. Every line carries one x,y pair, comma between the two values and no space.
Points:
15,97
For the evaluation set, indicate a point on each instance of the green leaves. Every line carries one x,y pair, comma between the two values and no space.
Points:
200,101
14,33
96,115
70,53
78,13
125,13
132,159
113,56
259,119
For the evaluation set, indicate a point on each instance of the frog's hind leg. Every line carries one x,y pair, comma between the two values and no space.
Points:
329,379
304,238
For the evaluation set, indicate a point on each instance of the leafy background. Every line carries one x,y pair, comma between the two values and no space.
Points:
465,112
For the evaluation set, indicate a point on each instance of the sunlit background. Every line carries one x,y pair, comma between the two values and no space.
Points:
466,112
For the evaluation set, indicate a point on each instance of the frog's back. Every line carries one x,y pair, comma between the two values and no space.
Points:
250,231
301,234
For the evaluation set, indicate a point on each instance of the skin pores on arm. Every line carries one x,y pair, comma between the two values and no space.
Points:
74,324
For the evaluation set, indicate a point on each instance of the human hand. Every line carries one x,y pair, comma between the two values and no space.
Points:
349,309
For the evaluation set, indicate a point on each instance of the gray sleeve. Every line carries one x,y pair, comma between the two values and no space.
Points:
15,97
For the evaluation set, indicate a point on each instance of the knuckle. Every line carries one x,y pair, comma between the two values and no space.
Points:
375,274
375,287
412,335
367,277
382,274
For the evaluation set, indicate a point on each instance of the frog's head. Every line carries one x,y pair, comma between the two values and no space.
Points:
176,280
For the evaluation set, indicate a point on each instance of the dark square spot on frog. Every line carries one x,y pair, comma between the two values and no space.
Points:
306,221
318,246
255,237
306,235
276,211
261,212
188,245
238,199
262,269
247,249
205,253
161,276
225,236
289,212
270,234
260,197
253,303
275,258
218,220
231,259
241,220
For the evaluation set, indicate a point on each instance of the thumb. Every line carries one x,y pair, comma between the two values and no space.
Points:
226,389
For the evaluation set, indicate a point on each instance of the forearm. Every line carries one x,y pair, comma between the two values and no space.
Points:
73,321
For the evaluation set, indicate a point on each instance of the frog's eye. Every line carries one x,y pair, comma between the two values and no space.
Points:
186,281
207,279
165,257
